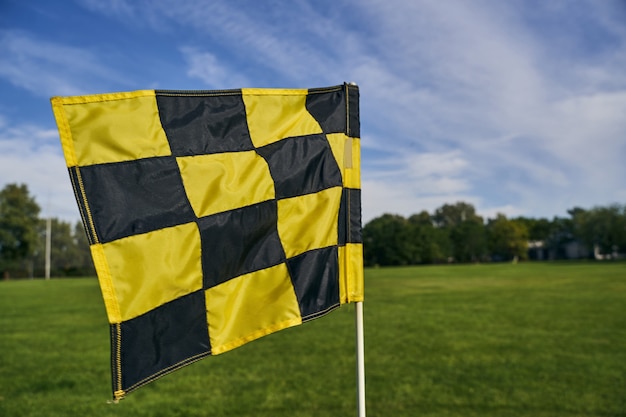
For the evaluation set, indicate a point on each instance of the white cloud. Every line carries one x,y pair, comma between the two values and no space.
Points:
394,197
294,42
508,210
409,183
208,68
425,165
481,82
32,155
494,103
290,48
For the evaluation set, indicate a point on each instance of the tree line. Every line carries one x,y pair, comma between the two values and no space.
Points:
453,233
456,233
23,239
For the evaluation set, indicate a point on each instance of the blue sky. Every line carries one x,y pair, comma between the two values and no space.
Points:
516,106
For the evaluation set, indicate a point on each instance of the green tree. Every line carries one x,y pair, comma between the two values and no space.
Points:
430,244
562,234
469,241
84,260
538,229
465,229
507,239
601,227
18,227
386,241
69,250
450,215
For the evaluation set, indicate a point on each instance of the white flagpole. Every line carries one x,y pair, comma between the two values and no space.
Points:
360,359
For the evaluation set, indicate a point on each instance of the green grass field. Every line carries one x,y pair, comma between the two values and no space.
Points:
533,339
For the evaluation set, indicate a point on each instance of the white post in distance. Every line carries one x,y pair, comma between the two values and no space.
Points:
48,242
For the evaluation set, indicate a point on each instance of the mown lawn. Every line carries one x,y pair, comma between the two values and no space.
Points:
533,339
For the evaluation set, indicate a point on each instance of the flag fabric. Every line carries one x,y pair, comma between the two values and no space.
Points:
214,217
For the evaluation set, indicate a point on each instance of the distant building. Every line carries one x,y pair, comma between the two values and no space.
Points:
539,250
599,256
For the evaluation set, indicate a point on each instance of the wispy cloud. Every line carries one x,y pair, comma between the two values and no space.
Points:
113,8
31,155
511,106
510,91
46,68
536,123
290,49
208,68
294,41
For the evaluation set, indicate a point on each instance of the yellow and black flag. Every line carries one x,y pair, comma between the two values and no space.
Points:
214,217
